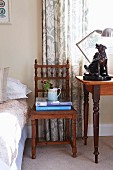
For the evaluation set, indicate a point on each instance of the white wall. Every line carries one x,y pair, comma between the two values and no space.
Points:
21,40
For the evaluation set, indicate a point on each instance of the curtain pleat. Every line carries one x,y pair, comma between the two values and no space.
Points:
64,24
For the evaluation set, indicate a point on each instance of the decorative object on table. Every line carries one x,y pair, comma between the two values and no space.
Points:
47,84
5,11
53,93
97,69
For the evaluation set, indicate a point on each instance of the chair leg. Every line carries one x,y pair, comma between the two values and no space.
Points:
37,130
74,149
67,130
33,139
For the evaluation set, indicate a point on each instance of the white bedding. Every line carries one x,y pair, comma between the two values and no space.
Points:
13,117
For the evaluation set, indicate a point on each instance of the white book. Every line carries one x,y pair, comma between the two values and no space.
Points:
41,101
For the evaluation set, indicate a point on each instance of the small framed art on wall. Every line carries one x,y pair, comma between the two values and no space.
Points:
5,11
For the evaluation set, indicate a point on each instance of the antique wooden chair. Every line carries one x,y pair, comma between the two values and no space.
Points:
56,73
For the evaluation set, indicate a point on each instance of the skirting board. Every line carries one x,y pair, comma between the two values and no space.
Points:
29,131
104,130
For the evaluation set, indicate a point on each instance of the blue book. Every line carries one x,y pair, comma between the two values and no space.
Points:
53,108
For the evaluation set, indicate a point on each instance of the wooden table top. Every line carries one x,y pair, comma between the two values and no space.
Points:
89,82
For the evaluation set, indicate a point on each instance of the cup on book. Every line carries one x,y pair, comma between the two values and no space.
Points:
53,94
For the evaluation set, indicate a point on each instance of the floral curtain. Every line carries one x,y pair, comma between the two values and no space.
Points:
64,24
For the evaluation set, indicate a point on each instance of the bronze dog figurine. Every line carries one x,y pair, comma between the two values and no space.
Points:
99,63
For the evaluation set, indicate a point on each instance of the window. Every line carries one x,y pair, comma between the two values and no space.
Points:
99,17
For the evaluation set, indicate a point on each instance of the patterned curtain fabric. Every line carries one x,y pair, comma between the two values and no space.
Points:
64,24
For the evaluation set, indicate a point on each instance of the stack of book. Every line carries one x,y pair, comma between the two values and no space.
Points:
43,104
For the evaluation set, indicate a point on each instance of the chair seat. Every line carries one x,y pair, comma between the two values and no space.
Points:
50,114
70,114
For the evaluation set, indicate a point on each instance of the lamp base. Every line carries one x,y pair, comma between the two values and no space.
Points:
96,78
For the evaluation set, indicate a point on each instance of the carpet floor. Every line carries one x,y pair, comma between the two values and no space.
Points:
58,157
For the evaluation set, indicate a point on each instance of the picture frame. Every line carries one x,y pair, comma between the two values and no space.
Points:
5,11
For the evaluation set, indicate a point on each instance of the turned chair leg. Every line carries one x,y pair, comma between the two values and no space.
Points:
74,149
33,139
67,130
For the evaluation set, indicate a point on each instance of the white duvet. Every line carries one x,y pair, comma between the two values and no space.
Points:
13,117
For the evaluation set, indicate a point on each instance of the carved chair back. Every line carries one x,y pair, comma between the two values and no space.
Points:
57,74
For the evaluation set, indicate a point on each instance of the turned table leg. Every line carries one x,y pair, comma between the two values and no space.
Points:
96,98
74,148
67,130
86,110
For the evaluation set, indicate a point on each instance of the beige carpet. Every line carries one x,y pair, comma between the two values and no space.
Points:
59,157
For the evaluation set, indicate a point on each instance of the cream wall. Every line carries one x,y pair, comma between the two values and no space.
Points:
20,42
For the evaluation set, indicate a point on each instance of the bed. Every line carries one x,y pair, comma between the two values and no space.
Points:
14,114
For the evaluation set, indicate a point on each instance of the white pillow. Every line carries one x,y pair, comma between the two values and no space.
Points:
16,90
3,84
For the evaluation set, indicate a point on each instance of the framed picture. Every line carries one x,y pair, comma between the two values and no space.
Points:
5,16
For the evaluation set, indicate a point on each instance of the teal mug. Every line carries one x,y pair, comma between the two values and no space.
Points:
53,94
